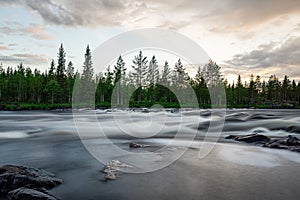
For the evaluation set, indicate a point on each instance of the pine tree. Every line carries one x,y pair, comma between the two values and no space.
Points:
119,75
70,80
87,83
88,70
52,69
180,74
61,62
153,73
285,87
212,74
139,73
166,72
61,74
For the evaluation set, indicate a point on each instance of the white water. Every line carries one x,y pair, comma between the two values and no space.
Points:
144,125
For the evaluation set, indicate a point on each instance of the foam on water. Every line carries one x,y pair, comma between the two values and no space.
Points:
13,134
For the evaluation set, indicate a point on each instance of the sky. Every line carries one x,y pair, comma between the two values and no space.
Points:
260,37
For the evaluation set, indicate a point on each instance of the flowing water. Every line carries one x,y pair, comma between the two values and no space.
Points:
188,147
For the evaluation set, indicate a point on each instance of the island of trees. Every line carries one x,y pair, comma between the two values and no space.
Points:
22,88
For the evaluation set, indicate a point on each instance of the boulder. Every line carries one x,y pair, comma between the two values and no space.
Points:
252,138
13,177
136,145
24,193
24,183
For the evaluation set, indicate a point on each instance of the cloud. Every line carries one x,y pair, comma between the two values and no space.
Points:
25,58
221,16
270,55
4,48
281,58
227,15
35,31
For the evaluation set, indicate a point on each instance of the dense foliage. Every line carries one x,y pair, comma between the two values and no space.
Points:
141,83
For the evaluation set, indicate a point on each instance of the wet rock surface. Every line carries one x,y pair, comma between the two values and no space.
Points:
136,145
113,168
21,182
289,142
24,193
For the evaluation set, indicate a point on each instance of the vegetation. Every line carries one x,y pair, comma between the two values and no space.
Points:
141,83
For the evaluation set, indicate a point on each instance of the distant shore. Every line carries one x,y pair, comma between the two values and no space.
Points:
65,106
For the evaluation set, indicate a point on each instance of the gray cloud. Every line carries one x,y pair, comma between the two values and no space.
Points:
270,55
26,58
227,15
280,58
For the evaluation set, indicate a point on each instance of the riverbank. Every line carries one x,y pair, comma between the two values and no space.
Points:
66,106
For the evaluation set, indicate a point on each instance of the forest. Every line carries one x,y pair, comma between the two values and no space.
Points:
141,83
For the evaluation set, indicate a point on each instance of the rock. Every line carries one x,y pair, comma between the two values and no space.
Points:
26,183
13,177
231,137
136,145
112,168
110,176
275,145
252,138
292,141
24,193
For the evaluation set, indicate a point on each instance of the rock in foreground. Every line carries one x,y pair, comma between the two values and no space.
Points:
26,183
24,193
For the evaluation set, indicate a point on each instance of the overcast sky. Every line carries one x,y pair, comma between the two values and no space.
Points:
243,36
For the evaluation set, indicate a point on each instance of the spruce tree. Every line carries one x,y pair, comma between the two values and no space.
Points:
139,72
119,75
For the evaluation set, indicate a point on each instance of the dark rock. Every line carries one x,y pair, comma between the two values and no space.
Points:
13,177
24,193
253,138
231,137
175,110
276,145
136,145
27,183
292,141
296,149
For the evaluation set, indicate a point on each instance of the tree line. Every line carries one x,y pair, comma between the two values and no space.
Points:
140,83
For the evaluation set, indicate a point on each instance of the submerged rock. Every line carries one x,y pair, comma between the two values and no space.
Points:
16,177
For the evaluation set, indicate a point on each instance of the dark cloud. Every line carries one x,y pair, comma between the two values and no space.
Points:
227,15
280,58
270,55
26,58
